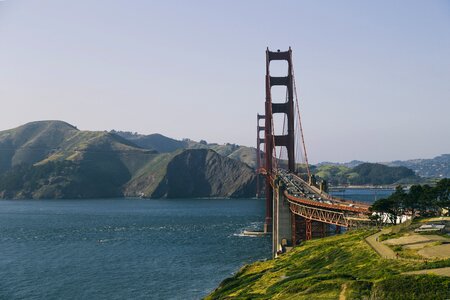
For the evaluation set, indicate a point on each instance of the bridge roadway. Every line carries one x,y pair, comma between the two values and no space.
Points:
302,211
312,203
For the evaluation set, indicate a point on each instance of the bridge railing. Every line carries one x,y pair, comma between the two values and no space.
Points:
325,216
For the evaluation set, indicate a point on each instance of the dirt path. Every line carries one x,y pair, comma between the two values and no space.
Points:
342,294
440,271
383,250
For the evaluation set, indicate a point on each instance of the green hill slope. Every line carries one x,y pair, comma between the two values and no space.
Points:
52,159
165,144
32,142
323,268
365,173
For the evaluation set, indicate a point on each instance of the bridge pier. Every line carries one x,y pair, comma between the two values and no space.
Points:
282,226
295,209
304,229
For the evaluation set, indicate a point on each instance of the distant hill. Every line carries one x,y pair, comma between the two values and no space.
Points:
366,174
194,173
350,164
155,141
53,159
32,142
165,144
438,167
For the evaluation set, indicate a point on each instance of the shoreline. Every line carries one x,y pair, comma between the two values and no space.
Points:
363,187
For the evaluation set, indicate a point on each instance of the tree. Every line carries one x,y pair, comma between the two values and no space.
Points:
385,205
442,193
393,205
398,199
412,201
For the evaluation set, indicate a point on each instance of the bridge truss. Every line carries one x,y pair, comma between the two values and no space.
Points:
290,200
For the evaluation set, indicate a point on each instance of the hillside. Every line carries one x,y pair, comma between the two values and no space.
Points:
205,173
336,173
437,167
155,141
165,144
339,267
365,174
32,142
52,159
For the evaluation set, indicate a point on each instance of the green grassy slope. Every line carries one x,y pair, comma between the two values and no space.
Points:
53,159
366,173
32,142
145,180
319,269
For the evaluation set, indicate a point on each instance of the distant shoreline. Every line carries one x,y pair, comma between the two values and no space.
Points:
363,187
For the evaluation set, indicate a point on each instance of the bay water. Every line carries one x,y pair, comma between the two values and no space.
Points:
125,248
362,194
130,248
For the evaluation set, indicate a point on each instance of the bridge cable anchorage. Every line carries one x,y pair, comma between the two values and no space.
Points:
300,123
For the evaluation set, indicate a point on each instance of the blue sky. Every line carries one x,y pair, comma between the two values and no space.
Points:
373,76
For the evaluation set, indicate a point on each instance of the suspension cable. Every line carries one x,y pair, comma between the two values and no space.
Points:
300,124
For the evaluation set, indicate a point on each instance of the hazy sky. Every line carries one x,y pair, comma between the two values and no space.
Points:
373,76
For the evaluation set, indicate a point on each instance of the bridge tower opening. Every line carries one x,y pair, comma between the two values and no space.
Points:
297,209
271,140
259,154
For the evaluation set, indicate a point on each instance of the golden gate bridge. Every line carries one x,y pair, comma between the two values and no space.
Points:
297,207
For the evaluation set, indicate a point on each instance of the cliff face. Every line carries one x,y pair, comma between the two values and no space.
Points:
204,173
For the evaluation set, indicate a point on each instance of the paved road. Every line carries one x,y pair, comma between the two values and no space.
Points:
440,271
386,252
383,250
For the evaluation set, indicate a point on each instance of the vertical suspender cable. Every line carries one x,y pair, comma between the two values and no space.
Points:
300,123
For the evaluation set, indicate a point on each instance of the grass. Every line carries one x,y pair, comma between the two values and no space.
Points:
319,268
406,253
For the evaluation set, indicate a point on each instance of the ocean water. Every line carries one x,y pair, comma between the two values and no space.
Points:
364,195
130,248
125,248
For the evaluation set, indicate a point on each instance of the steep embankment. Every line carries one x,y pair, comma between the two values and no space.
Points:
192,173
204,173
327,268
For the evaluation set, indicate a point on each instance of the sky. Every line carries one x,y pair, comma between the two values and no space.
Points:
373,77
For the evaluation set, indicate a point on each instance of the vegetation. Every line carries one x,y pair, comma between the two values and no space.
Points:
319,269
437,167
164,144
425,200
335,175
365,173
52,159
379,174
63,179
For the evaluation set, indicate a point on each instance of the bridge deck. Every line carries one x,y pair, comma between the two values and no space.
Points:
299,191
